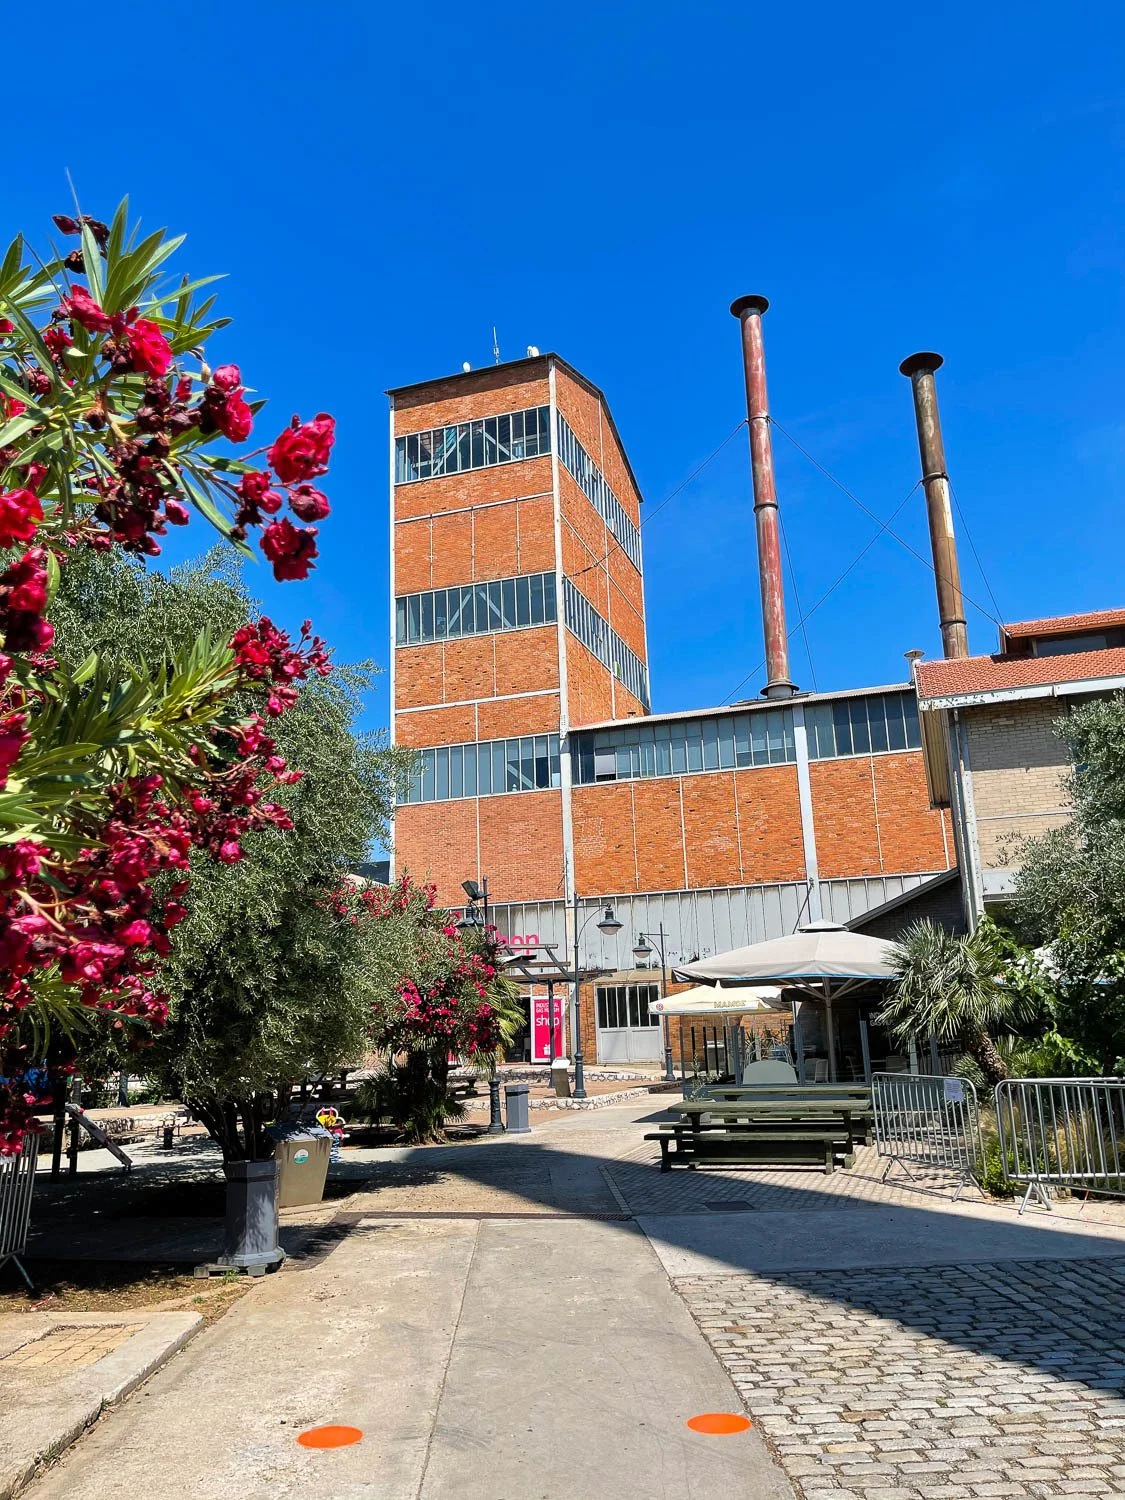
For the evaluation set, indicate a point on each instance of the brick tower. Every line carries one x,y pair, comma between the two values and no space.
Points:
517,611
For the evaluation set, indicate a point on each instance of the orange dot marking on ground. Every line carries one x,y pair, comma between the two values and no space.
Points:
718,1423
329,1437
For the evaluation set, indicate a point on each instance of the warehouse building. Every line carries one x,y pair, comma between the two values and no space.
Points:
520,672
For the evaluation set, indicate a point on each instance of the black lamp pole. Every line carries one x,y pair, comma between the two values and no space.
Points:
475,893
608,924
659,936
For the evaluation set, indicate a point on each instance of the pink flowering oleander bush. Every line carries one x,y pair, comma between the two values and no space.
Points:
113,427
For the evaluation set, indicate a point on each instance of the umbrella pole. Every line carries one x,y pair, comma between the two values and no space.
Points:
799,1043
865,1044
830,1033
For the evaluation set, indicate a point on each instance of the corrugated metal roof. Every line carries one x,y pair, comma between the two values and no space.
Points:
992,674
752,705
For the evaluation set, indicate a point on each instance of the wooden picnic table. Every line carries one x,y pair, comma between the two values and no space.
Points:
752,1129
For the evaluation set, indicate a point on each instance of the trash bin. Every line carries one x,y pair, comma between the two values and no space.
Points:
560,1077
302,1167
515,1098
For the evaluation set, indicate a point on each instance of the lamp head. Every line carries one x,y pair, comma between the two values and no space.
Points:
642,951
472,890
609,923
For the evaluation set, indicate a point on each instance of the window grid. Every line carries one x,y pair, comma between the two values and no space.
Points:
583,619
878,724
481,444
621,1006
863,726
592,482
474,609
487,769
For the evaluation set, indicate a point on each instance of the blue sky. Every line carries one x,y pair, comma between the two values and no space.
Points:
384,184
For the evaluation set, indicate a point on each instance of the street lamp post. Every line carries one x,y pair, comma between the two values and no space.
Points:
640,953
608,924
479,893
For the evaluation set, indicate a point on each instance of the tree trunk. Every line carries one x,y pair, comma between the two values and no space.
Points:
980,1046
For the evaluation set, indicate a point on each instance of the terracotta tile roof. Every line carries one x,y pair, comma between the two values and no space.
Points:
990,674
1098,619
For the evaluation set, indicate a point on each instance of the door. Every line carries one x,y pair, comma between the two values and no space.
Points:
627,1033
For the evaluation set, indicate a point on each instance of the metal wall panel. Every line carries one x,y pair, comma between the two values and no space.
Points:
698,923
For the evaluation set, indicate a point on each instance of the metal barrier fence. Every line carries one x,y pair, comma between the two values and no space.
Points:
17,1179
928,1120
1062,1132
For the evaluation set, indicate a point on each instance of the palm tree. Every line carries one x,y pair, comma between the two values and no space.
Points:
952,988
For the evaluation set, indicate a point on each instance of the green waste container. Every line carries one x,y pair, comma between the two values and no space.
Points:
302,1167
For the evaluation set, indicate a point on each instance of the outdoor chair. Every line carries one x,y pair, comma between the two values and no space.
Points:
820,1070
768,1071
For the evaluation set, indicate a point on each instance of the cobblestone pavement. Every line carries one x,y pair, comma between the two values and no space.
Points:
948,1383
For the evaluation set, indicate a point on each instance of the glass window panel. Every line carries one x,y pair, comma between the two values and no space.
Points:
725,728
556,769
842,724
542,776
504,437
427,775
634,1006
508,603
400,620
624,763
896,725
710,735
742,742
544,429
476,444
518,449
787,734
877,719
469,624
441,615
861,736
679,756
759,741
550,605
523,601
913,729
819,720
442,757
456,772
464,451
470,770
490,454
603,1010
413,622
663,748
511,765
776,731
648,759
427,617
527,764
537,599
484,770
481,595
424,450
694,749
412,455
495,608
499,782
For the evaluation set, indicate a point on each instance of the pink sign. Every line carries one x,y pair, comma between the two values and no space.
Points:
541,1028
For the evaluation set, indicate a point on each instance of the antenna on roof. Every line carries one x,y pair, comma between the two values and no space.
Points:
495,346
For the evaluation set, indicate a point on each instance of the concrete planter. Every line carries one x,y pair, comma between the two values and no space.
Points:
251,1223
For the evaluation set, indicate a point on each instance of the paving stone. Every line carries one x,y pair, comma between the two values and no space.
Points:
1002,1381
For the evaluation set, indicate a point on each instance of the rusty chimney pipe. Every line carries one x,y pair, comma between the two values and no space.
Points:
947,574
749,310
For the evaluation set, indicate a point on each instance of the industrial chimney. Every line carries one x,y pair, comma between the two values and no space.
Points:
943,544
749,310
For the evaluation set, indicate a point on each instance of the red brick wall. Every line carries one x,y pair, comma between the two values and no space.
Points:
851,840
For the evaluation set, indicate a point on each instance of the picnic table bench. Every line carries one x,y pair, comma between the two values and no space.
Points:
749,1129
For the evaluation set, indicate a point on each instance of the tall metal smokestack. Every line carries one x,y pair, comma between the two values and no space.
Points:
947,574
749,310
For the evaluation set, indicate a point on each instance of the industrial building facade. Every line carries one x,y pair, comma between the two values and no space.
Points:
520,673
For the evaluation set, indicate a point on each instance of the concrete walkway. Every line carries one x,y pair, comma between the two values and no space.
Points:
494,1360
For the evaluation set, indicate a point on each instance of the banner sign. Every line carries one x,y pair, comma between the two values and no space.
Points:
541,1028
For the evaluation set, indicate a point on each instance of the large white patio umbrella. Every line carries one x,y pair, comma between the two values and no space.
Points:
714,1000
821,959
